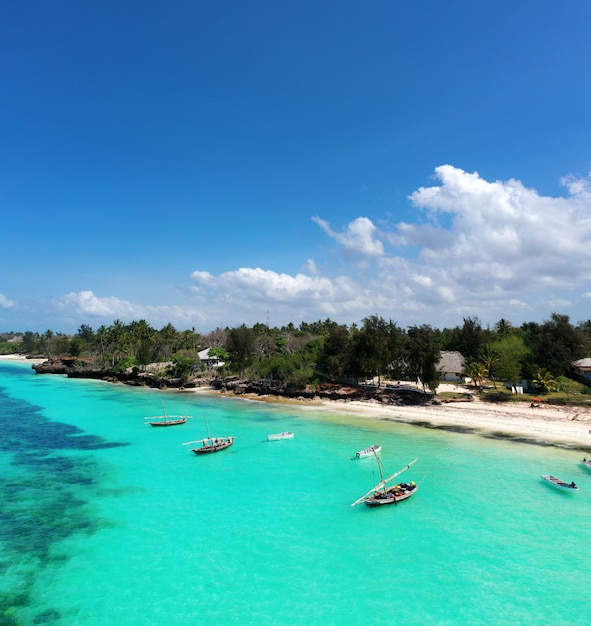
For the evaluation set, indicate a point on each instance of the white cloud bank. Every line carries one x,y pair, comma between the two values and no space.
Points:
492,249
85,305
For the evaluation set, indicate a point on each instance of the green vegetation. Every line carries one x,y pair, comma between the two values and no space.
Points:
327,351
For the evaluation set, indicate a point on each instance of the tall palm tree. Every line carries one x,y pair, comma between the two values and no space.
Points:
489,359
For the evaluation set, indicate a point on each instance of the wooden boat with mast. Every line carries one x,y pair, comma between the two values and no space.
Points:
383,494
210,444
167,420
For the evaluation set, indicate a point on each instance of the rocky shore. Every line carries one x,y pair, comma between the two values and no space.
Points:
544,425
393,396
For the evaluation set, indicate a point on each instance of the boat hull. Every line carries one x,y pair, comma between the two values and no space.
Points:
362,454
392,496
279,436
169,422
560,484
214,447
586,463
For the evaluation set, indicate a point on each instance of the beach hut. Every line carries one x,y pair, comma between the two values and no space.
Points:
451,366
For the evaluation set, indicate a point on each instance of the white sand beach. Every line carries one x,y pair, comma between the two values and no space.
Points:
20,357
563,426
544,424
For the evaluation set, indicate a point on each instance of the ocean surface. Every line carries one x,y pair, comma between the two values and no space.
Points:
105,520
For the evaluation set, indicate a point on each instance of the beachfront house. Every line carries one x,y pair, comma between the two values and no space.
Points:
582,370
451,366
209,360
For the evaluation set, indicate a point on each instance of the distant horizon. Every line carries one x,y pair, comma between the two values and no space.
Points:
213,165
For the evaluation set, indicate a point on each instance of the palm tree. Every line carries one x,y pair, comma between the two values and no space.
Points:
544,380
477,372
489,359
101,338
116,338
503,327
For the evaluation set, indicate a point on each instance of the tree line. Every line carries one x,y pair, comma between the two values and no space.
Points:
325,350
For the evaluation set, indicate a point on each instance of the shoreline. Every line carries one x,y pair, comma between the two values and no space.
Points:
20,357
567,427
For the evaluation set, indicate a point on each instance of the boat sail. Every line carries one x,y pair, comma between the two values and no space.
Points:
167,420
210,444
382,494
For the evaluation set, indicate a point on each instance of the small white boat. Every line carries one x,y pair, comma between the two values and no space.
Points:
586,463
368,452
560,484
278,436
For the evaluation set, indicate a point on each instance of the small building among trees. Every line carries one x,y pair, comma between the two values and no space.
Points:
451,366
582,370
210,360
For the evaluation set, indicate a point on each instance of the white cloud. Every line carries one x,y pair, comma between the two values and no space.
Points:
85,305
503,234
357,238
501,249
257,289
492,249
5,303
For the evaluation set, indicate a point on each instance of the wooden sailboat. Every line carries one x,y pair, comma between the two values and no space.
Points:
383,494
167,420
210,444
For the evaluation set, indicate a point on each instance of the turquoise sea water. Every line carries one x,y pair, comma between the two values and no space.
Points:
108,521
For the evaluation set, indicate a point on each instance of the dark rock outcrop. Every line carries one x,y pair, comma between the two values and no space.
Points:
397,396
79,368
401,396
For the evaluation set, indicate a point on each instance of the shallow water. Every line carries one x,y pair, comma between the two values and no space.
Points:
108,521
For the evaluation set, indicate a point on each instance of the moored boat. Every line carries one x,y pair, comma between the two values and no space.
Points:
560,484
171,420
210,444
279,436
167,420
382,494
368,452
586,463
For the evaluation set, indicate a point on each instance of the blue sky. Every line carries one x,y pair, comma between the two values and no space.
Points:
211,164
